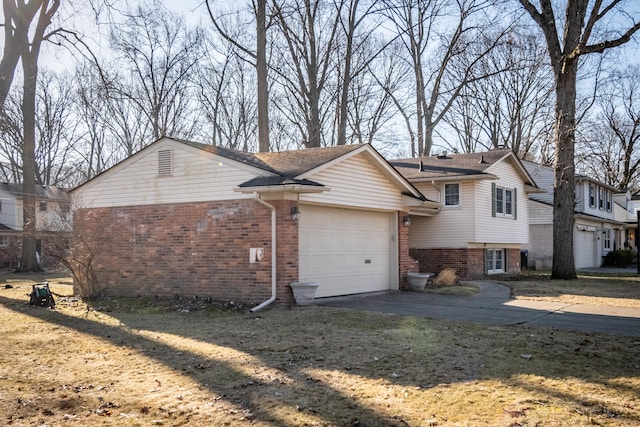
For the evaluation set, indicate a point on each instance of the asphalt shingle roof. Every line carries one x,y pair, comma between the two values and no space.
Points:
287,164
42,191
451,165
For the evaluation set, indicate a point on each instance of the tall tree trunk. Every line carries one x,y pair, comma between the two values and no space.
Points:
261,71
29,242
564,180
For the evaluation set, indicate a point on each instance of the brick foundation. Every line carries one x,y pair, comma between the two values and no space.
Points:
468,263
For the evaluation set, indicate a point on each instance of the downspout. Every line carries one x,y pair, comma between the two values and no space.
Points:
273,255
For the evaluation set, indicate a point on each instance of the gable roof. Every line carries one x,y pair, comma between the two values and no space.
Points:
46,192
465,166
289,170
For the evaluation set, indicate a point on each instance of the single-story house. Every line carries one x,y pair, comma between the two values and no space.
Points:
483,224
182,218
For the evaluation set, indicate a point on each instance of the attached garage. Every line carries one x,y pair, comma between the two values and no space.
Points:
347,251
218,223
585,249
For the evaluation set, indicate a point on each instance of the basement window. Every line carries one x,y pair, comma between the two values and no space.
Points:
165,162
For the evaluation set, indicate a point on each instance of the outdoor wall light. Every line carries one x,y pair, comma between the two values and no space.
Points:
406,221
295,213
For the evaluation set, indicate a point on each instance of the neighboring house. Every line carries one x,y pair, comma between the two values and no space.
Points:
52,214
181,218
626,211
483,224
595,232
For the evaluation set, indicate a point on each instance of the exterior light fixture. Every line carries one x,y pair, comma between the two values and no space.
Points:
406,221
295,213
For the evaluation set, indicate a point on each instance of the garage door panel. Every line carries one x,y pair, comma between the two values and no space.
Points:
585,249
345,251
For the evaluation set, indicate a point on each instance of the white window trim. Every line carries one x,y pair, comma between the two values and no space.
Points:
4,241
503,205
606,240
444,195
493,262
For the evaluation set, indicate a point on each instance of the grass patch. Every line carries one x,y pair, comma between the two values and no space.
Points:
609,289
461,289
137,365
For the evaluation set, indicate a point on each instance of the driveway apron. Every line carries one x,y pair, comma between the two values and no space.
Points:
493,305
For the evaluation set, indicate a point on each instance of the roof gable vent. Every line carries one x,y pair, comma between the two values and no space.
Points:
165,162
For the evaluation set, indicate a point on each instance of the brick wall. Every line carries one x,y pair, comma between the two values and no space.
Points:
407,264
468,263
11,255
191,249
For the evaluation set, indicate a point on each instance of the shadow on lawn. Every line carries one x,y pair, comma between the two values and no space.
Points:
304,387
261,339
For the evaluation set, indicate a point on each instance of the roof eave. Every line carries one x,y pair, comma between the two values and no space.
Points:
291,188
475,177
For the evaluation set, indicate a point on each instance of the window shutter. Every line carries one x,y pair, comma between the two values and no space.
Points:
515,203
493,199
165,166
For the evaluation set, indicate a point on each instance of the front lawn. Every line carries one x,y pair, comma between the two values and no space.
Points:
144,362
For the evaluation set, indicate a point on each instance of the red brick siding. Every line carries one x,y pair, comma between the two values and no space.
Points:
11,255
407,264
468,263
193,249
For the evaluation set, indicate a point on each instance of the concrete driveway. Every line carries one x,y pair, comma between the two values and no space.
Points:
493,305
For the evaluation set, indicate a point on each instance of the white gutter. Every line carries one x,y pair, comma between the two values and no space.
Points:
273,255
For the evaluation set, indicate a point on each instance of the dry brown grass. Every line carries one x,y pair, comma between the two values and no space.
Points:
594,289
144,363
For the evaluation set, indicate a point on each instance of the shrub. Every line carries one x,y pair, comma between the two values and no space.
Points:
619,258
447,277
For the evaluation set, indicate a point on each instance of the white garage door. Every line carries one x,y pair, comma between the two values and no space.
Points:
346,251
585,249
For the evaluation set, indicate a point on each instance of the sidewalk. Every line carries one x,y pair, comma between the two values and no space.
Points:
493,305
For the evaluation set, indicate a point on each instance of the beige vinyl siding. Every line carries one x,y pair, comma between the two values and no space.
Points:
501,229
540,213
355,182
11,214
196,176
453,227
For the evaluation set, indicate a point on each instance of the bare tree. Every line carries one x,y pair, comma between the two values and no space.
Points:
258,58
11,137
159,56
609,147
29,53
512,108
310,31
18,17
56,130
584,29
436,34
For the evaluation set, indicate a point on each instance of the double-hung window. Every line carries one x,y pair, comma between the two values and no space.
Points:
606,239
592,196
452,194
504,201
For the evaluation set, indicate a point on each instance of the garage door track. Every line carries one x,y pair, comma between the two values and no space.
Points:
493,305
